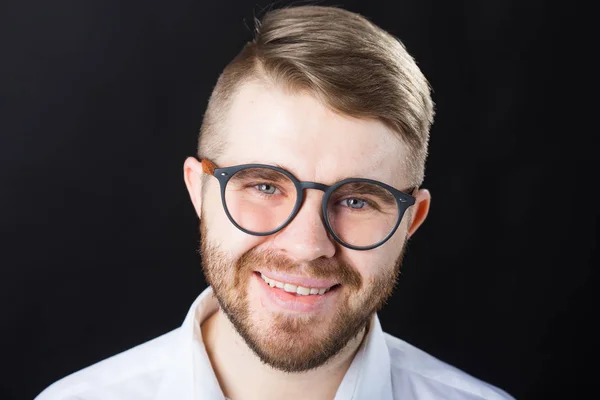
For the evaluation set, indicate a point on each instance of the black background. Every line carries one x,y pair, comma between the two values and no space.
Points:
101,103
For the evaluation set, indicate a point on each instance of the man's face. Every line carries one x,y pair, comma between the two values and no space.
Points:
288,331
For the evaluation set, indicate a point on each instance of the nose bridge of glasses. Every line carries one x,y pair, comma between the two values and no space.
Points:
309,216
310,185
313,185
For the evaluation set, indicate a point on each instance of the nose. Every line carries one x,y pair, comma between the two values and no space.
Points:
305,238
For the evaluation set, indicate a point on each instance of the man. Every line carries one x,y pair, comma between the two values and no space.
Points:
310,159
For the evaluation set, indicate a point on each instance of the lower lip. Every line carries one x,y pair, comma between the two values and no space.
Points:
280,299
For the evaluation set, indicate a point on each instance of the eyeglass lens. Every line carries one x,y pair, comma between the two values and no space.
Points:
261,200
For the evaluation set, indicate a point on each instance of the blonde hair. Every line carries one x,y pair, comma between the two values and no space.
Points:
352,66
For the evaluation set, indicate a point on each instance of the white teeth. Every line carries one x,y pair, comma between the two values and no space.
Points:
303,291
288,287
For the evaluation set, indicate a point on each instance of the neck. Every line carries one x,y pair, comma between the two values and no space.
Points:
242,376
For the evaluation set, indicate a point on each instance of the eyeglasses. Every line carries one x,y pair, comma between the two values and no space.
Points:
260,200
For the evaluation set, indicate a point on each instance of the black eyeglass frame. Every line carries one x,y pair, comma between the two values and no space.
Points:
403,199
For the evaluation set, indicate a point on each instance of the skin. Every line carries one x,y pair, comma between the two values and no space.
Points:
314,143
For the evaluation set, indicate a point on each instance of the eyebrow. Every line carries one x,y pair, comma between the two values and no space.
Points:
367,188
261,173
408,190
291,171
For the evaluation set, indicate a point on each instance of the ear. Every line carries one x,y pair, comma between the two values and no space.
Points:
420,210
192,175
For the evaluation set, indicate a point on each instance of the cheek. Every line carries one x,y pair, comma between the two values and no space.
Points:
372,264
367,263
219,229
395,244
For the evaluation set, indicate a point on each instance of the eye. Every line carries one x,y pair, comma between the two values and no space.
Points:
354,203
266,188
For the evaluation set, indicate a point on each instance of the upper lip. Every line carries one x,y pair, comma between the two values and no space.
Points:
298,280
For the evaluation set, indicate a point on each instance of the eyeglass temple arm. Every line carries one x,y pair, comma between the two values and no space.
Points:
208,167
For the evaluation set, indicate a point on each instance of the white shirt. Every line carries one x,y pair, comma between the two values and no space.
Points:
175,366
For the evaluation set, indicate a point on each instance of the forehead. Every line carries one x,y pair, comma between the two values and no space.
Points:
268,125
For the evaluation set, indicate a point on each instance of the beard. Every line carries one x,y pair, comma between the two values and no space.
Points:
295,342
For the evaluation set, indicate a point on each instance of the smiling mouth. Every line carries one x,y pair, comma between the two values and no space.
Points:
296,289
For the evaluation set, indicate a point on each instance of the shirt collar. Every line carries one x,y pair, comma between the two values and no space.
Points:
189,375
369,375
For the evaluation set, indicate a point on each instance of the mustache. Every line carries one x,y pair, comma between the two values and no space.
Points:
322,268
